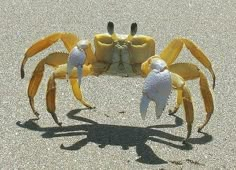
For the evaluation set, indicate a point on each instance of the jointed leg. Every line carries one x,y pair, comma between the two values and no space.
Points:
54,60
68,39
189,72
171,52
179,84
34,84
189,114
179,101
208,100
60,73
78,94
51,97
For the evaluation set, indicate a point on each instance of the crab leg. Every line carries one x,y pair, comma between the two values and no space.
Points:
78,94
54,60
68,39
179,84
179,101
171,52
208,99
34,84
50,98
60,73
77,59
189,113
189,72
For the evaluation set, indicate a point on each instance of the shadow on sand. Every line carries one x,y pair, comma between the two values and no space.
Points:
124,136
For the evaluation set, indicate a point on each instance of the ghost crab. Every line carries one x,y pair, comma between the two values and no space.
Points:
126,55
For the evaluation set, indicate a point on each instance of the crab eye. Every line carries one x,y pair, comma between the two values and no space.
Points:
110,28
134,29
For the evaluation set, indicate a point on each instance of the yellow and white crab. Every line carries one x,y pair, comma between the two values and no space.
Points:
126,55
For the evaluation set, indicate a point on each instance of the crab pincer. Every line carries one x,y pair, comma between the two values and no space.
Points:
77,59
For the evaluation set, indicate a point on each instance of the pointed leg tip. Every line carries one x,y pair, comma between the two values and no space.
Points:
171,112
22,73
214,82
91,107
37,115
199,130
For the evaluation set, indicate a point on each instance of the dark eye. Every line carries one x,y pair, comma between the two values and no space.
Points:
134,28
110,27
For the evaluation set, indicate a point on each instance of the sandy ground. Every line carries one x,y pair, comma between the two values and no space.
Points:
113,136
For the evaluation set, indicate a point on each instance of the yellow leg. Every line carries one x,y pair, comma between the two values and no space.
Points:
189,72
171,52
51,98
179,84
208,100
68,39
189,113
60,73
78,94
34,84
179,101
54,60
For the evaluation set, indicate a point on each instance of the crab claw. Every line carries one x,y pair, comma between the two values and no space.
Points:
76,59
157,88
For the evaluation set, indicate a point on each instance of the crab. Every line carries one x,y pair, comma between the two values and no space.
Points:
123,55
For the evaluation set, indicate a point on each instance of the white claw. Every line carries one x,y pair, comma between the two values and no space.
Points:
157,88
76,59
144,105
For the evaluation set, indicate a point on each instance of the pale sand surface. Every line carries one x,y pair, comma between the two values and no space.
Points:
113,136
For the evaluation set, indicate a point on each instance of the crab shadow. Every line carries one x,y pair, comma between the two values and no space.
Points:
123,136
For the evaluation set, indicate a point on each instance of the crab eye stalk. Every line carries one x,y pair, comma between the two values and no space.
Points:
110,28
133,29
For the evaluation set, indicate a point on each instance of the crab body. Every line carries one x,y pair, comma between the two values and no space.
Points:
123,55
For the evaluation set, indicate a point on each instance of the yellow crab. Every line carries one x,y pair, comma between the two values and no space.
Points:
126,55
